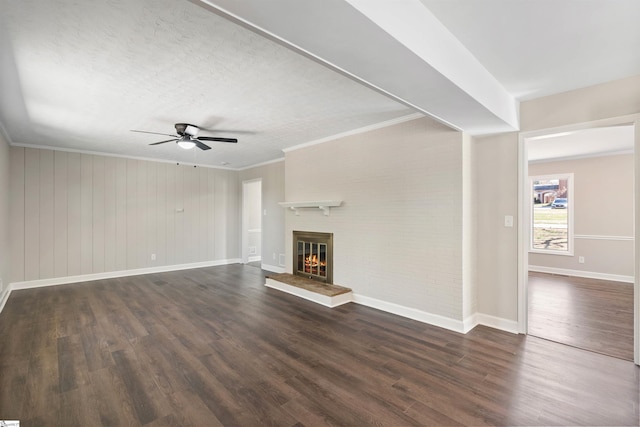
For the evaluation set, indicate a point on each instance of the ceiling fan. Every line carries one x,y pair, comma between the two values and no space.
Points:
187,137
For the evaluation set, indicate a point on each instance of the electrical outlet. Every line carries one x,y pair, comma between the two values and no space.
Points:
581,259
153,257
508,220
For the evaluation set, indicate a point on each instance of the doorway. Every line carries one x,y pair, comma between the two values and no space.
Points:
585,267
252,222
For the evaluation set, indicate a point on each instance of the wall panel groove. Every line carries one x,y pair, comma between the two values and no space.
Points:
17,213
80,214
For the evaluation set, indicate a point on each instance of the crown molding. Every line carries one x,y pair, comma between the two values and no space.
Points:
380,125
4,134
120,156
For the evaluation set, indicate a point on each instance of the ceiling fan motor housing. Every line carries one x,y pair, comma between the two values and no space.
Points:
187,129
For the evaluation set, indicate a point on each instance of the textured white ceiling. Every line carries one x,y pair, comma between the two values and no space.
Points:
541,47
79,75
90,71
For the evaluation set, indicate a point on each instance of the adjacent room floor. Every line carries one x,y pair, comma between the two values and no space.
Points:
214,346
595,315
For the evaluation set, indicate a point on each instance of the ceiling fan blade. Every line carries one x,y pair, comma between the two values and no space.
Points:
200,145
215,138
224,131
162,142
154,133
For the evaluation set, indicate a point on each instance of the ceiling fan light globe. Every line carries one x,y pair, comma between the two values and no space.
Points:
186,144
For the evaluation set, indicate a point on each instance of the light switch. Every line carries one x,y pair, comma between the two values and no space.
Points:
508,220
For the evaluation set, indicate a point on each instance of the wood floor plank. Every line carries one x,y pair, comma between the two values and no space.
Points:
592,314
113,406
13,389
187,409
77,407
95,347
147,400
215,347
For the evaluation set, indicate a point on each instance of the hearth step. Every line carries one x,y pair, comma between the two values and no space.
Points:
321,293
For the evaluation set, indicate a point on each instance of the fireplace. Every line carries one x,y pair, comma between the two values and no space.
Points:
313,255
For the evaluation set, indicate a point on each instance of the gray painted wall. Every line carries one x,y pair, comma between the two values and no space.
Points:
77,214
5,243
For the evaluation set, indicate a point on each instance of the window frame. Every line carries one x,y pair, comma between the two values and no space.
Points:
570,214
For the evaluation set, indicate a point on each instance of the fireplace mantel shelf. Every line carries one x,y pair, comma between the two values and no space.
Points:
324,205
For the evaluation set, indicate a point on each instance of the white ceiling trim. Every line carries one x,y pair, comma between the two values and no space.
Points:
120,156
270,162
364,129
355,132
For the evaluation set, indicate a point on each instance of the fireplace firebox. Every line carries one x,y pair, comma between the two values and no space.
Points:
313,255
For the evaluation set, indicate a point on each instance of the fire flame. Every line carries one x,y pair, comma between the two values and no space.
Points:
313,261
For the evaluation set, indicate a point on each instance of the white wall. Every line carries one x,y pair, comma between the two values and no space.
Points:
77,214
496,177
398,238
497,163
5,243
273,247
603,215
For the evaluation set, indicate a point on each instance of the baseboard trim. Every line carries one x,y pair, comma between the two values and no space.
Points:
273,268
5,297
115,274
411,313
580,273
254,258
497,323
469,323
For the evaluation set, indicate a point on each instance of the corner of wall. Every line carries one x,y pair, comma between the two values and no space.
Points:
5,240
469,226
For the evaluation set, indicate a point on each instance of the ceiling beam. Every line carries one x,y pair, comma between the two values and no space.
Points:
398,48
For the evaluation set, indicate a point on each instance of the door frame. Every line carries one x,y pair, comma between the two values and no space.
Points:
245,218
524,215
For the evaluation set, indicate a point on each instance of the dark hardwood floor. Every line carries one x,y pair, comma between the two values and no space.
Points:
213,346
595,315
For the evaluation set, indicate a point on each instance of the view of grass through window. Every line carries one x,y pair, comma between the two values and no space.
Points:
551,206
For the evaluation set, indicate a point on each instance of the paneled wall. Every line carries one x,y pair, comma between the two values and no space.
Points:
75,214
398,235
5,244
